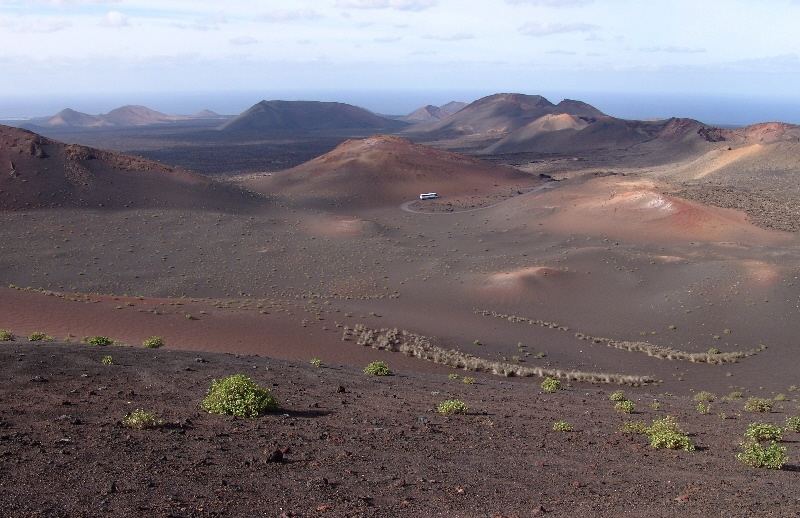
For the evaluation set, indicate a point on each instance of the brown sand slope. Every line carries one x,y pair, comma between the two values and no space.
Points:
384,170
38,172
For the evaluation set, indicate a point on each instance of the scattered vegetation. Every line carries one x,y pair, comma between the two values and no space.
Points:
154,342
736,394
793,424
39,336
617,395
755,404
625,407
467,380
98,340
453,376
756,455
655,405
240,396
633,427
452,406
705,397
764,432
551,385
141,420
107,360
6,335
378,369
316,362
666,433
703,408
562,426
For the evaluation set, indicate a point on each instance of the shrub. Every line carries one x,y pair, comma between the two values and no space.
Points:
755,404
665,433
154,342
467,380
633,427
754,454
655,405
453,376
780,397
239,396
378,369
714,350
6,335
141,420
624,407
551,385
617,395
703,408
735,395
793,424
316,362
705,397
38,336
764,432
107,360
99,340
562,426
452,406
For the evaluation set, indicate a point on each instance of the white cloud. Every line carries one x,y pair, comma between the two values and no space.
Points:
243,40
548,29
401,5
115,19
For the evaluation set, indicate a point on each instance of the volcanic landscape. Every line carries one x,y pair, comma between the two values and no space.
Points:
660,258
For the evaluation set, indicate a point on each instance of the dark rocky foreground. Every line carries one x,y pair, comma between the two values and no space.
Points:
345,444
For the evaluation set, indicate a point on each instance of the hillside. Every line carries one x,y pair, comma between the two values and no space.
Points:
302,116
38,172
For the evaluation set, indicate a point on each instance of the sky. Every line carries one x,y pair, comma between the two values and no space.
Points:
392,54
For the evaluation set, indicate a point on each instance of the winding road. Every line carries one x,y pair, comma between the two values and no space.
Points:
407,205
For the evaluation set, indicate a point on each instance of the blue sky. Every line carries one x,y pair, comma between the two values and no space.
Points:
724,48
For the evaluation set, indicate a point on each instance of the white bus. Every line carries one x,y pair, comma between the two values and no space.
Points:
428,196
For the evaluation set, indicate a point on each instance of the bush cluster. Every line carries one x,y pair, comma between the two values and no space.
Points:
756,455
764,432
755,404
98,340
562,426
551,385
141,420
39,336
240,396
107,360
617,395
377,369
624,406
6,335
154,342
666,433
452,406
793,424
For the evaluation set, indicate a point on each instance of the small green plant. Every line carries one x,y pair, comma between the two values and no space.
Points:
562,426
453,376
141,420
756,455
452,406
713,350
624,407
793,424
780,397
666,433
377,369
551,385
755,404
6,335
468,381
154,342
617,395
107,360
736,394
764,432
98,340
316,362
655,405
703,408
633,427
705,397
39,336
240,396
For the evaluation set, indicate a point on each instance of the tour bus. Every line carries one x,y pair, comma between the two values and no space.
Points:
428,196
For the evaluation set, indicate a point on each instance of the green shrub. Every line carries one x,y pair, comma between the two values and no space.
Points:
633,427
655,405
713,350
107,360
452,406
705,397
736,394
316,362
764,432
453,376
141,420
703,408
754,454
562,426
378,369
551,385
617,395
468,381
624,407
755,404
98,340
154,342
39,336
239,396
6,335
793,424
780,397
665,433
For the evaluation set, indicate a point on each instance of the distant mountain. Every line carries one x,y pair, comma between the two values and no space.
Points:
452,107
36,172
431,113
300,116
133,115
73,119
122,117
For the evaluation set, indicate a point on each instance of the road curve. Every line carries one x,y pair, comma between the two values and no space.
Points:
407,205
